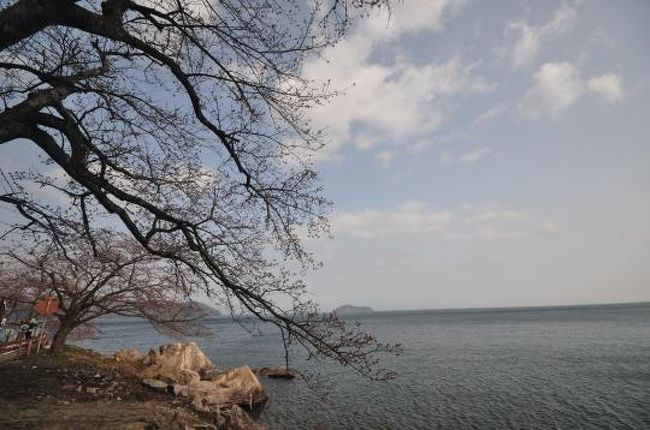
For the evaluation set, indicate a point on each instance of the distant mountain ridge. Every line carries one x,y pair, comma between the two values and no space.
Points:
207,310
353,310
201,309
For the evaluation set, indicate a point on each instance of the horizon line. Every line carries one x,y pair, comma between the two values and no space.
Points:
485,308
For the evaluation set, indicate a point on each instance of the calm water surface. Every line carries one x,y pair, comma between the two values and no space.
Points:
543,368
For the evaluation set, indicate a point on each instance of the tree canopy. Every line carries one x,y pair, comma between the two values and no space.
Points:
182,122
119,278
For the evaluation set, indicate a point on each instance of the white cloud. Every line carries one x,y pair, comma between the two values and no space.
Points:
389,103
409,218
469,157
474,155
428,142
411,17
528,39
491,113
397,101
418,219
549,227
385,158
446,159
494,221
607,86
557,86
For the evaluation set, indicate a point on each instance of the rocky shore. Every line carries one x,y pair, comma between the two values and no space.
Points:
174,387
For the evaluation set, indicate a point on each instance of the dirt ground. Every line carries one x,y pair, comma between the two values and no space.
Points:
81,389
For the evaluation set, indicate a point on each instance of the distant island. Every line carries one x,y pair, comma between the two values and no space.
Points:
353,310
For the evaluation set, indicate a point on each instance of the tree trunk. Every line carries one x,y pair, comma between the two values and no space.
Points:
67,325
27,17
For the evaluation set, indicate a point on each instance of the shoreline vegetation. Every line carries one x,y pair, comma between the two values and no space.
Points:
176,387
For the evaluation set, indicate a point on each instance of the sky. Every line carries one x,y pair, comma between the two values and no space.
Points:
487,154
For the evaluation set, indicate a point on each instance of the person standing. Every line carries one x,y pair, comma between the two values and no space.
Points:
24,329
31,326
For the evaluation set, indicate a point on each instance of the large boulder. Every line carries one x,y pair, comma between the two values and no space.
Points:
176,362
183,369
238,386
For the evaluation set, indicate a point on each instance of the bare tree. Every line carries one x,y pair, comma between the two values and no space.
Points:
185,121
122,278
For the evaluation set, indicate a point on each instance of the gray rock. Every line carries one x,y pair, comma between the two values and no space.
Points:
155,384
238,386
182,363
180,390
275,372
210,374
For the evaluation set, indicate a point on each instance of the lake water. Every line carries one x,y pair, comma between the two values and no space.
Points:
541,368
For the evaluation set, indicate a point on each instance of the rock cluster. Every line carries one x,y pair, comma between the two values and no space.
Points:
183,369
107,385
275,372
